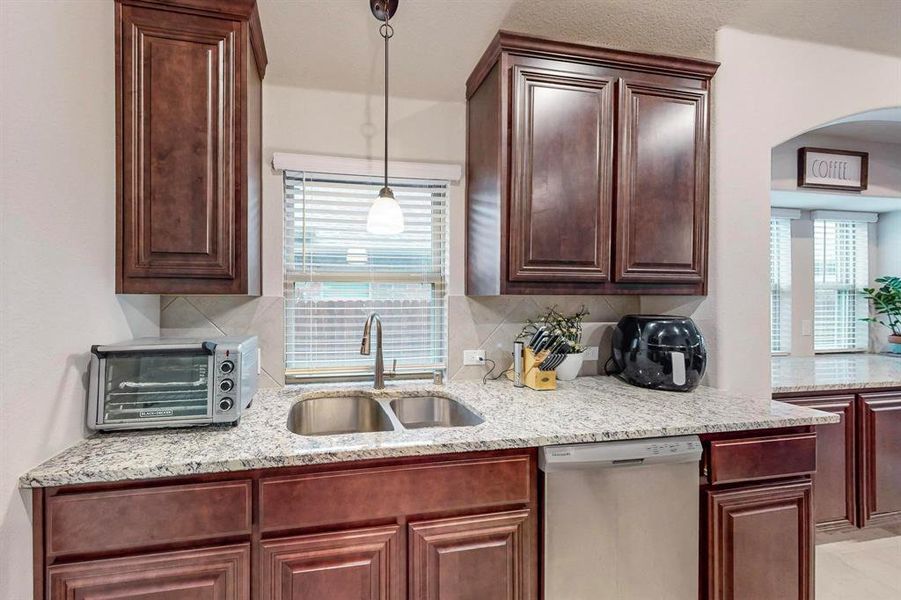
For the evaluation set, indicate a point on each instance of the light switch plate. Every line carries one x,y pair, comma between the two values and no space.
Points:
806,327
473,357
591,353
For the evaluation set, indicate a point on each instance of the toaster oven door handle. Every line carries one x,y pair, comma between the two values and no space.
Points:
102,351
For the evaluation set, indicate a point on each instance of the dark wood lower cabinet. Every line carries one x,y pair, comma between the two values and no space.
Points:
451,527
757,515
221,573
880,456
759,539
858,477
835,482
359,564
479,557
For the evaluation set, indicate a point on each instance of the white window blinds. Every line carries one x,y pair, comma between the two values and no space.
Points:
336,274
780,285
840,272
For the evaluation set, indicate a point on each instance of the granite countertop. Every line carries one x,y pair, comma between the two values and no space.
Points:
835,372
590,409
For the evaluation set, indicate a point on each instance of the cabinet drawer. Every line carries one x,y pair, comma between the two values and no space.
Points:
358,495
762,458
127,519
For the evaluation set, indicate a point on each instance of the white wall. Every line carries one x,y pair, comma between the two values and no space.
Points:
803,293
767,91
884,170
57,188
782,87
346,124
888,262
884,180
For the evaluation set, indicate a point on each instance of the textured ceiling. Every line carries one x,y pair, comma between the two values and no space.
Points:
334,44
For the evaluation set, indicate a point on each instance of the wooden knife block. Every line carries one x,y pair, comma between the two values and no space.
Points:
532,376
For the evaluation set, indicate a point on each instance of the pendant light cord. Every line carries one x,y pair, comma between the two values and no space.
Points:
387,32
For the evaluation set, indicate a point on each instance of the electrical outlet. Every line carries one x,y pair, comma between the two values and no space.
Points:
806,327
473,357
591,353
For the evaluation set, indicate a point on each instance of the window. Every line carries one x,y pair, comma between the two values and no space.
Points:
840,271
336,274
780,285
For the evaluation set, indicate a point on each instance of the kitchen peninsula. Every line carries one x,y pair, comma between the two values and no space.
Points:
859,459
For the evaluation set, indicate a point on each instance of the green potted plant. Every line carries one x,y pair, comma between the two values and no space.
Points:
886,301
569,327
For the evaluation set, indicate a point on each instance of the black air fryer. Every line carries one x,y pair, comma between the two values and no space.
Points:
659,352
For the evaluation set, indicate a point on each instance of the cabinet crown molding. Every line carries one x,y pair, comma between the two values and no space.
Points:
511,41
241,10
238,9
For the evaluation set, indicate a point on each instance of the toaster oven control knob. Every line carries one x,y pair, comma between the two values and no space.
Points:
226,385
225,404
227,366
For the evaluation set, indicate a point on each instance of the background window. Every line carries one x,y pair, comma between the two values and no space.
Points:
780,285
336,274
840,272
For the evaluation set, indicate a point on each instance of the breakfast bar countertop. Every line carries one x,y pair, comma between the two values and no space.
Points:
825,372
589,409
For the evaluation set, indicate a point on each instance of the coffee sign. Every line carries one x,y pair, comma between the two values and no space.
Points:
832,169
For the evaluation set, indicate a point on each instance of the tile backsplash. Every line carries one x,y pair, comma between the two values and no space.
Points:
492,323
489,323
200,316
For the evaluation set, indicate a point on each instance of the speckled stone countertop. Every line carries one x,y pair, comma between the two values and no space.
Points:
590,409
835,372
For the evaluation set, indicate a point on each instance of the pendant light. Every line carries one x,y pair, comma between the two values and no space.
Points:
385,216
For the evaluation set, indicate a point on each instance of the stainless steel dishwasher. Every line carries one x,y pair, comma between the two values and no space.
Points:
621,520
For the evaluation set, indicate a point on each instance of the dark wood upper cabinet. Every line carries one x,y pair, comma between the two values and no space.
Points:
188,146
562,144
880,456
587,170
661,201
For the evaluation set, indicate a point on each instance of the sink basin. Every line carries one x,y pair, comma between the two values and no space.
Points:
433,411
342,414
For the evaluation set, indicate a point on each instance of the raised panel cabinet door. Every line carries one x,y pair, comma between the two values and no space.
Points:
179,153
759,542
211,574
479,557
880,456
662,184
835,481
361,564
561,177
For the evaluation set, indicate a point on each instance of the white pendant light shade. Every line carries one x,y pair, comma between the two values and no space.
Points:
385,216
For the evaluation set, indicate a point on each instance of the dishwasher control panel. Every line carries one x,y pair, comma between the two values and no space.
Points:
622,453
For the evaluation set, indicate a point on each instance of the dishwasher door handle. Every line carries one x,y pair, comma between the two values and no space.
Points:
625,462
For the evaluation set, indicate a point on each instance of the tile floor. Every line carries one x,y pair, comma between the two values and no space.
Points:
860,565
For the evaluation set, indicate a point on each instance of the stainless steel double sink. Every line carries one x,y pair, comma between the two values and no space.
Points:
361,412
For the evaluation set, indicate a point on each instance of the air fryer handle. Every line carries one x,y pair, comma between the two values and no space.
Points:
678,361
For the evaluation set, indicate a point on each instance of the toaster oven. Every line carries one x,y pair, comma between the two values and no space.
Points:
171,382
